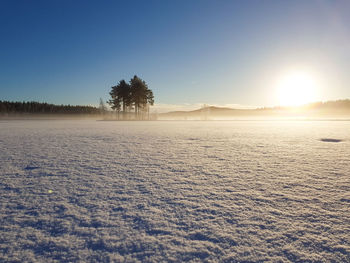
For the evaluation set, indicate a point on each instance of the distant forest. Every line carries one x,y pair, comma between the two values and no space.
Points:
7,107
332,104
340,104
129,101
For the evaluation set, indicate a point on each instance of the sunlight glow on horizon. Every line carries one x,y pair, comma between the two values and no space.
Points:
297,88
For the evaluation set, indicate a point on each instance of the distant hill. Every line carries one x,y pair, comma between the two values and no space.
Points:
207,111
339,108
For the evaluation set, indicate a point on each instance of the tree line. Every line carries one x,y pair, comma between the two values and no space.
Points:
129,100
8,107
134,96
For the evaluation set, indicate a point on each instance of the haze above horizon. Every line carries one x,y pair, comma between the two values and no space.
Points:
250,53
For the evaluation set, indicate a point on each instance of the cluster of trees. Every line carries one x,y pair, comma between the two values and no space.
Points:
7,107
133,96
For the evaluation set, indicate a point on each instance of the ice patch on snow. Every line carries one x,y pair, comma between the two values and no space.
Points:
29,167
330,140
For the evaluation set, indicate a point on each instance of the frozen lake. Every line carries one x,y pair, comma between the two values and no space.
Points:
229,191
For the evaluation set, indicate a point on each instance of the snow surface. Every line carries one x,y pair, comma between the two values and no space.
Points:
239,191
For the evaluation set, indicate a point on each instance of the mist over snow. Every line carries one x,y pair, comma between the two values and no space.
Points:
239,191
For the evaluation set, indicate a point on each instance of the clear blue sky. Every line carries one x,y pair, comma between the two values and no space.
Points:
216,52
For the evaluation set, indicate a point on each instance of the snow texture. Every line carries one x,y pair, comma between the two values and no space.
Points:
229,191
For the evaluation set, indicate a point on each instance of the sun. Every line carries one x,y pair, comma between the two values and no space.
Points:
296,88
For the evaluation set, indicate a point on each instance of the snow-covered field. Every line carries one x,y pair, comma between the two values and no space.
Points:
230,191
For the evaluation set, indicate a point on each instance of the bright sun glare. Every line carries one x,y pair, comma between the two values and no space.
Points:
296,88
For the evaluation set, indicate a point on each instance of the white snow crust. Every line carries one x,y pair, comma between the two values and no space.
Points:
227,191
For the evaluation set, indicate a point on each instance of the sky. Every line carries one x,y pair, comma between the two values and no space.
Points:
189,52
